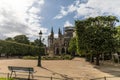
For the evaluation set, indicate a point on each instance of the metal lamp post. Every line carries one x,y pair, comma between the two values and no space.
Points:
39,56
65,48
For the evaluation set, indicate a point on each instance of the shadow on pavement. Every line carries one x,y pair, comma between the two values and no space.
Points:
112,69
62,75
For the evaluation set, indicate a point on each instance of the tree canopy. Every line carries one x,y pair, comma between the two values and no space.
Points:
117,36
96,35
9,39
21,39
72,45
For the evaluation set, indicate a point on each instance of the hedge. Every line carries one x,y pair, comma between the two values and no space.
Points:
14,48
62,57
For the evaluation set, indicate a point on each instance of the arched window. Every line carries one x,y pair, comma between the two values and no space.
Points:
63,51
57,51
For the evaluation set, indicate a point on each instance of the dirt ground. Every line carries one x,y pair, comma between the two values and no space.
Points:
76,69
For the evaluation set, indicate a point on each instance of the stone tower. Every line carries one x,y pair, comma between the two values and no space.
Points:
51,43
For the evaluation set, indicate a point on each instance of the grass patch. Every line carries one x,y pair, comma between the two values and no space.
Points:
30,57
6,79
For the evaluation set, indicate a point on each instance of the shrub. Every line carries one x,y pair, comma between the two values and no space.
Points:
30,57
62,57
67,57
19,49
51,58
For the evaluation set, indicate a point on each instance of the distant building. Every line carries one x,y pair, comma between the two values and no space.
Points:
60,45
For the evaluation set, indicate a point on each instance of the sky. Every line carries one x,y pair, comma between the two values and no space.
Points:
28,17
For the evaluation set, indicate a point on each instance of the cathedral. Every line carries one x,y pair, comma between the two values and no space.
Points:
57,46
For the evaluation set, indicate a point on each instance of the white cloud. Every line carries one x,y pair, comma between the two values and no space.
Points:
56,35
63,12
34,10
91,8
20,17
67,23
66,10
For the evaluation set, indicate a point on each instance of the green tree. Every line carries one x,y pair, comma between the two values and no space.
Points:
9,39
19,49
80,29
72,46
96,35
21,39
101,41
38,43
117,36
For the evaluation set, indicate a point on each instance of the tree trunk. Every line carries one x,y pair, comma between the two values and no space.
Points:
7,55
88,57
97,59
92,58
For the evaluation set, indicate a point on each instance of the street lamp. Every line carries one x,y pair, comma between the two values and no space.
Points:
39,56
65,44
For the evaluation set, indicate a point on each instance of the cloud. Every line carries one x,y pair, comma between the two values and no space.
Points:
69,9
67,23
90,8
20,17
56,35
63,12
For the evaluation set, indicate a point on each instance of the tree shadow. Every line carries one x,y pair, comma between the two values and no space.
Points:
65,77
111,69
18,78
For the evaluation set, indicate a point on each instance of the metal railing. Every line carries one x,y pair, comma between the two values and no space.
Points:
106,78
24,77
37,77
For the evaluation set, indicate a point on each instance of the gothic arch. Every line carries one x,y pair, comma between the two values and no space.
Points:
63,51
57,51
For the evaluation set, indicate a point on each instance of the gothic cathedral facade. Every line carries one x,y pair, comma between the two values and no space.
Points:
57,46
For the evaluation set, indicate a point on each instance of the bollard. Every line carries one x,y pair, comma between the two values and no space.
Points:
7,75
105,78
51,78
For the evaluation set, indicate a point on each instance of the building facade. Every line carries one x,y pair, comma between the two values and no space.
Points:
57,46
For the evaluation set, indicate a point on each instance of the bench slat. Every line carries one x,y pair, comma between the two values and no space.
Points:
24,69
15,69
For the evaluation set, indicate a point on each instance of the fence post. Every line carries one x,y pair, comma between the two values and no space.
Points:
51,78
8,75
105,78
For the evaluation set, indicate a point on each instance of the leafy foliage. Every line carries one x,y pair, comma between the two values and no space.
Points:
96,35
62,57
9,39
72,45
117,36
21,39
13,48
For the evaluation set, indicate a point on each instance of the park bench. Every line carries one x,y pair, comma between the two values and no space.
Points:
15,69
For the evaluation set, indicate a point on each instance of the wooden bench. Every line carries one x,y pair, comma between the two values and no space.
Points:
15,69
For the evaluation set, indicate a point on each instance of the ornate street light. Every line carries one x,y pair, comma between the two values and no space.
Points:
39,56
